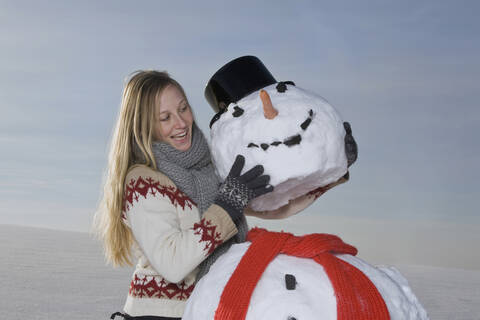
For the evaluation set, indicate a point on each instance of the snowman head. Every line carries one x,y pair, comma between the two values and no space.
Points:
295,134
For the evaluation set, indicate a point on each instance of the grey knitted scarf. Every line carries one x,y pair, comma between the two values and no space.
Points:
193,172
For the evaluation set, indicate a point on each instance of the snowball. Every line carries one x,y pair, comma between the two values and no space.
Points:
295,169
313,297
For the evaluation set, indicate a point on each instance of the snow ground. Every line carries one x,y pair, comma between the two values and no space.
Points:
51,274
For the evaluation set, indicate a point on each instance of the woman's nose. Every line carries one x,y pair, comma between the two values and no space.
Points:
179,121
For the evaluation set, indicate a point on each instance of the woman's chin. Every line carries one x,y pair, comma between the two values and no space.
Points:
182,145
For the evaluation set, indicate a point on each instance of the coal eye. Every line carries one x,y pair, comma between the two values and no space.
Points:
216,117
282,86
238,111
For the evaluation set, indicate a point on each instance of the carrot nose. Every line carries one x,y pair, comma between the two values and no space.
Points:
268,110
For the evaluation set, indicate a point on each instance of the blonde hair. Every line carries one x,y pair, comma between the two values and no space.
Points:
134,125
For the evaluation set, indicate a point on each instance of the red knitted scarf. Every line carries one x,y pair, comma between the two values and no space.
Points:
357,297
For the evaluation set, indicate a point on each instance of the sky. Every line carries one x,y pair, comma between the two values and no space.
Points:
405,74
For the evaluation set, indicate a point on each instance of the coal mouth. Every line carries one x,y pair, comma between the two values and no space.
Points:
290,141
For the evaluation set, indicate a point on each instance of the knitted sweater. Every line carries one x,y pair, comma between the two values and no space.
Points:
170,241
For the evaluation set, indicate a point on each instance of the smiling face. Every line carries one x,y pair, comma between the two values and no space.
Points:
173,119
296,135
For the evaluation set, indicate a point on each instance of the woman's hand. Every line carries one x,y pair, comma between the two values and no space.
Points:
237,190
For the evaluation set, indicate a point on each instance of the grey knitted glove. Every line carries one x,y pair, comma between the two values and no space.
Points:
237,190
351,148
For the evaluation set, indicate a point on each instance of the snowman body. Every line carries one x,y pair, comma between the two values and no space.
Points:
302,148
312,297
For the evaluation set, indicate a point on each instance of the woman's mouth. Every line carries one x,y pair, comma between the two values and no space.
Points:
181,137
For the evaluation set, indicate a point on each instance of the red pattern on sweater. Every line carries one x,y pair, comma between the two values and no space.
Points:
208,233
357,297
151,287
148,186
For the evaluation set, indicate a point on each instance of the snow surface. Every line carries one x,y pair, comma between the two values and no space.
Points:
313,297
50,274
318,160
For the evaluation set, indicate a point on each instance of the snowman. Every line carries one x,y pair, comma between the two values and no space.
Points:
306,149
296,135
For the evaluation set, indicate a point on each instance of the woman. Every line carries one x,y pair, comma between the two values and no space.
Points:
162,200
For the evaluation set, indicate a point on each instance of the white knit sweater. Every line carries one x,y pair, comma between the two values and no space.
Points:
171,241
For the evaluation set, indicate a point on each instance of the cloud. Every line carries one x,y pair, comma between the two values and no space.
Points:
404,74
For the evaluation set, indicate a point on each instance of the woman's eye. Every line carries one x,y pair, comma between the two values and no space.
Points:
184,108
165,118
237,111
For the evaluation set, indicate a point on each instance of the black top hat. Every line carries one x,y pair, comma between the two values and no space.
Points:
235,80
